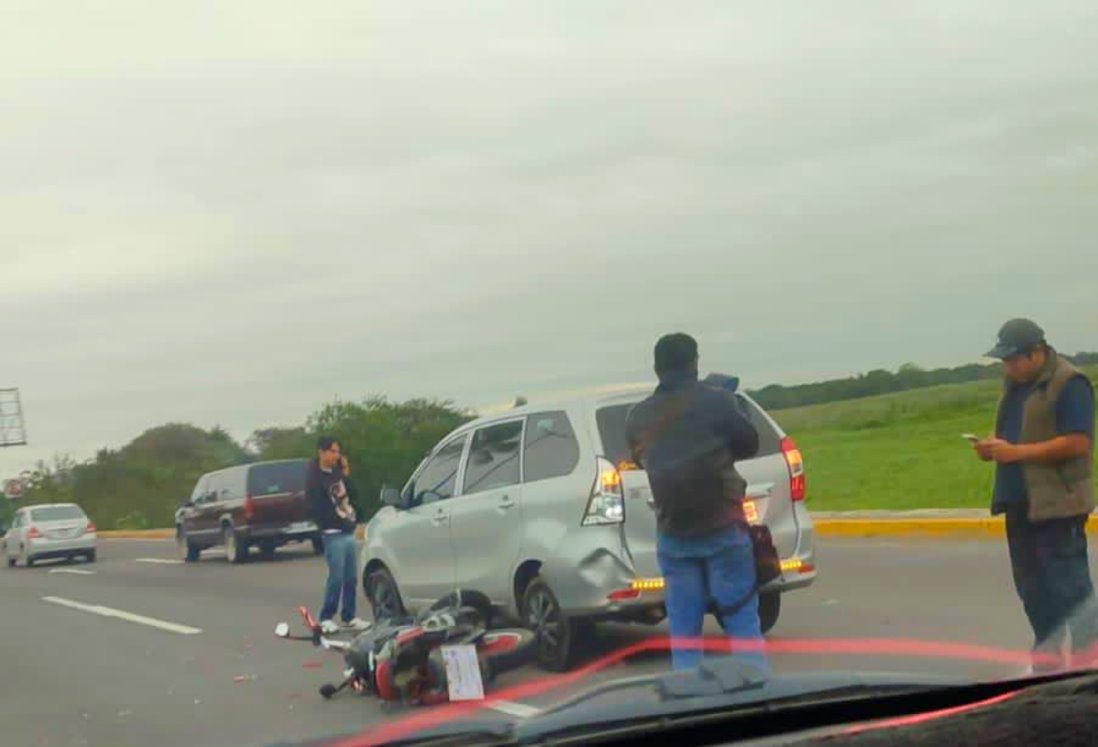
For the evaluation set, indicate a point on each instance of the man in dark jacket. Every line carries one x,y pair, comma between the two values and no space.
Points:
1043,448
331,498
687,436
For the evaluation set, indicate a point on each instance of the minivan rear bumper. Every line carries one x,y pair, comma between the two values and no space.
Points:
586,577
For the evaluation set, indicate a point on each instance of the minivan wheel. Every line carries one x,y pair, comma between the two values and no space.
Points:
235,550
555,634
770,606
383,595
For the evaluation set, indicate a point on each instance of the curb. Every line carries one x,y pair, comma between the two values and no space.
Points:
163,533
137,534
921,528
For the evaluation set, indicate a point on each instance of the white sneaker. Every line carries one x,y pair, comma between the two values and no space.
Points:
358,624
328,627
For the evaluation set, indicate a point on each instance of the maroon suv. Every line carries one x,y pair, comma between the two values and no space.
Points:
261,504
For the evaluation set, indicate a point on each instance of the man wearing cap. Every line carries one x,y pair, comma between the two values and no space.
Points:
1043,448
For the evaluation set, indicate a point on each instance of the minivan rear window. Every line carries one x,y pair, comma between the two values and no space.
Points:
56,513
611,424
276,477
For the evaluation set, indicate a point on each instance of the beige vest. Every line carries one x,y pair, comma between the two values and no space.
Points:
1065,488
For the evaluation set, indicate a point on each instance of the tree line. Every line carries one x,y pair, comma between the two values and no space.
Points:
141,484
879,381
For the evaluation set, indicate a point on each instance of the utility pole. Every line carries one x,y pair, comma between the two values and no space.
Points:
13,432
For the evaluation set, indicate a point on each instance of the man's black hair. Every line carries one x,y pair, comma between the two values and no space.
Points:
326,442
676,352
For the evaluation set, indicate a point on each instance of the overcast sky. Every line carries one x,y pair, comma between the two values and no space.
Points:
230,213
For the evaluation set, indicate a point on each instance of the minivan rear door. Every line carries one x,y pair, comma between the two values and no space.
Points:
640,511
767,476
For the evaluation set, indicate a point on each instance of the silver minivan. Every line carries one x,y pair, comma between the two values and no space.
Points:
541,509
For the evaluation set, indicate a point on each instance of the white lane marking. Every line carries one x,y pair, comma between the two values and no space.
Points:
73,571
152,622
161,561
518,710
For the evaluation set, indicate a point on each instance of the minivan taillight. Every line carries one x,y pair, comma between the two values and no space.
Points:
607,502
249,507
793,460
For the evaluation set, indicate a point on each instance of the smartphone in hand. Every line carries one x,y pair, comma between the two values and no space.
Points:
971,438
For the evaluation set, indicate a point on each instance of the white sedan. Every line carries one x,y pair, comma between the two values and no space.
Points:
54,530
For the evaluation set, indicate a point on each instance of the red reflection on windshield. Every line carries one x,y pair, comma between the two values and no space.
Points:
899,647
920,718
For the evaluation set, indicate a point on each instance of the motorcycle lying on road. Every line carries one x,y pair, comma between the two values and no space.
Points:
402,659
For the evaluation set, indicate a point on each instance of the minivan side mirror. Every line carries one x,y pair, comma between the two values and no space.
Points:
391,497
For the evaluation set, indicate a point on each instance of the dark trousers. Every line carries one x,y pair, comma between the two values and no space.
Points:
1052,576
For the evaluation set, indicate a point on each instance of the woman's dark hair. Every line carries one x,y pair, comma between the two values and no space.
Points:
326,442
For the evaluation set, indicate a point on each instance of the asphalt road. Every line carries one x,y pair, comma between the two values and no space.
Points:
207,669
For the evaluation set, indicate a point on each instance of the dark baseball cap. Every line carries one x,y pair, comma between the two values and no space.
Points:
1017,337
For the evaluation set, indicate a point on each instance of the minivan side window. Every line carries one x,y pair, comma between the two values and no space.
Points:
551,449
438,478
494,457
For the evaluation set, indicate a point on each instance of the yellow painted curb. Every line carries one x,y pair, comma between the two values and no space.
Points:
923,527
360,532
137,534
825,527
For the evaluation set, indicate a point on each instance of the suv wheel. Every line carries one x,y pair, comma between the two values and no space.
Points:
555,634
187,551
236,551
383,595
770,606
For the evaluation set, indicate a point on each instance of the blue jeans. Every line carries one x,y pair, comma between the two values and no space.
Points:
720,568
341,554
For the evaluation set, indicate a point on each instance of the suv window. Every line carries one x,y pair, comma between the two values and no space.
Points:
276,477
611,425
200,489
217,487
439,474
494,457
551,449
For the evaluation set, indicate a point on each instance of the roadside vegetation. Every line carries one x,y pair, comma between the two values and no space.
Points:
898,451
895,451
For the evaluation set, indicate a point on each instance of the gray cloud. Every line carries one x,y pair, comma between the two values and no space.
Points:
229,214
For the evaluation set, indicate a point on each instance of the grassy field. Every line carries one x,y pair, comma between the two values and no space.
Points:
899,451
